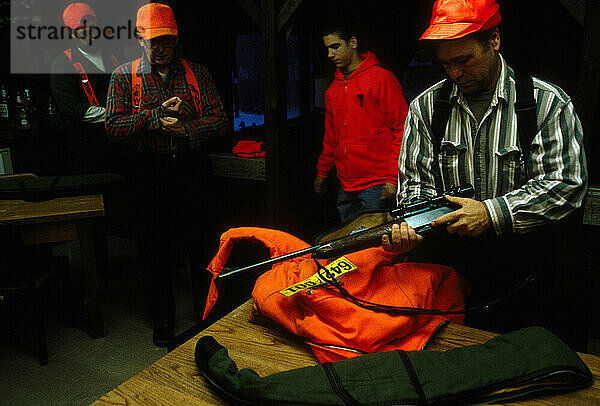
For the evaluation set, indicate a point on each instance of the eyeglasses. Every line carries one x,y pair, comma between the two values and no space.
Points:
166,43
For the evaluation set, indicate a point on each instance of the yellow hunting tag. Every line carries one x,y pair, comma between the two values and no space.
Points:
339,267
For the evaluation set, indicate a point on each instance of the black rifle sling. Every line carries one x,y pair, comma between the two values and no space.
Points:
441,114
525,107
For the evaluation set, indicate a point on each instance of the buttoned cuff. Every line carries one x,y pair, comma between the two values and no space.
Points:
500,214
154,119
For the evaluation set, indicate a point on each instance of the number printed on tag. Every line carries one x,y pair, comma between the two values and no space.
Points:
339,267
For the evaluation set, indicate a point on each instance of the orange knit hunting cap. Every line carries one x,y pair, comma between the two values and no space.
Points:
155,20
452,19
74,14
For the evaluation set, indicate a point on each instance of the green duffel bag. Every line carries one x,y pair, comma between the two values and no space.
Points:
50,187
520,364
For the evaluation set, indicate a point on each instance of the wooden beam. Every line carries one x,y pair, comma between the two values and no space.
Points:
286,12
576,8
288,32
588,86
274,69
252,10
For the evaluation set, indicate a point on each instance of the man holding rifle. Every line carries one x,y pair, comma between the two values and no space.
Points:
523,155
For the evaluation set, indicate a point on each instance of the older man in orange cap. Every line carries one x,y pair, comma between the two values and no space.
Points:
166,108
517,140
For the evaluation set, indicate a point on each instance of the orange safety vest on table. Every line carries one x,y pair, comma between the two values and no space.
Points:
334,327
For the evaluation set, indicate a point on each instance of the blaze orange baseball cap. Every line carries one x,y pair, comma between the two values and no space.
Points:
452,19
74,14
155,20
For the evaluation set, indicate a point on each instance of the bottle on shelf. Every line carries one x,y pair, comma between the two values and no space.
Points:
31,108
23,112
4,105
51,111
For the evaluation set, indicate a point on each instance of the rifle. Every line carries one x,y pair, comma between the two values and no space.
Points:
418,215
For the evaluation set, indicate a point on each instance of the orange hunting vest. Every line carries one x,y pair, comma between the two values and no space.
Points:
85,83
334,327
136,86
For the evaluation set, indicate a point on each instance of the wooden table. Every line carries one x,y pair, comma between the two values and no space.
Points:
66,219
175,380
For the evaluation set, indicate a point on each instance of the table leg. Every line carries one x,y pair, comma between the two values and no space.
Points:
93,260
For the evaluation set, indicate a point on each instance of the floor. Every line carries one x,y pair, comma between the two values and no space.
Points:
81,369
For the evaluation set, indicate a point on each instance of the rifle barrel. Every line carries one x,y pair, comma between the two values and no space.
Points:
280,258
365,238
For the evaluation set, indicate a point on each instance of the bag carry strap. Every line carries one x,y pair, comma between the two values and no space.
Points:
136,86
337,386
412,374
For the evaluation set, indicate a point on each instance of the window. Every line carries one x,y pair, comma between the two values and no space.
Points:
247,78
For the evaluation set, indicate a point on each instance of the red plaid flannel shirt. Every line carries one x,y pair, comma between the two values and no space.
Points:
143,128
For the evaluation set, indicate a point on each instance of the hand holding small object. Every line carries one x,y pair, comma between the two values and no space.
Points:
171,107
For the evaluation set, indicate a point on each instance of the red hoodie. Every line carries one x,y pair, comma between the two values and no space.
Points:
364,123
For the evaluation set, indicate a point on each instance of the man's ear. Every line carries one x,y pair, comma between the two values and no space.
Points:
353,43
138,36
495,39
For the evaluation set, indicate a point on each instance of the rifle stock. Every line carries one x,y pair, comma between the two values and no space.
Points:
417,215
370,237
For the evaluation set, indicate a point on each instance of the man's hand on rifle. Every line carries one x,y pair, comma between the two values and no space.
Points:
404,239
472,219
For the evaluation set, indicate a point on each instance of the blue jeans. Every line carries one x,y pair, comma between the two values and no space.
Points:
349,203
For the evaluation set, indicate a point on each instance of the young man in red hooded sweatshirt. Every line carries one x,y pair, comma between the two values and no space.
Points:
364,123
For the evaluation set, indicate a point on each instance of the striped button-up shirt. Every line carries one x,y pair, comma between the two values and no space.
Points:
143,128
518,196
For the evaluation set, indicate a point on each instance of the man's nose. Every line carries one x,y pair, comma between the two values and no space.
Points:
330,53
454,72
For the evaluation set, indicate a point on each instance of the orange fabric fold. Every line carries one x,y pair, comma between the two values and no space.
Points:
335,327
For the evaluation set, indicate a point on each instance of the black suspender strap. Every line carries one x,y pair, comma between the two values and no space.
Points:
441,114
525,107
336,385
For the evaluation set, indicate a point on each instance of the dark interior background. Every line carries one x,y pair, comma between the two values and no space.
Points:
537,36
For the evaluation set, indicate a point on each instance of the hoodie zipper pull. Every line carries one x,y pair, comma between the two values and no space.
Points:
346,109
